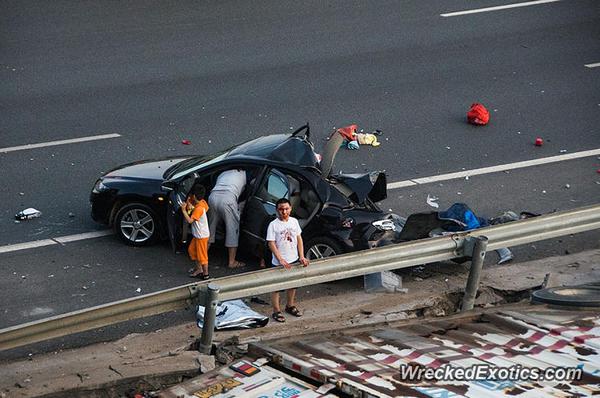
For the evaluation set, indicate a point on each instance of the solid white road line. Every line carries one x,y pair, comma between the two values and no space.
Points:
59,142
83,236
27,245
394,185
597,64
496,8
493,169
54,241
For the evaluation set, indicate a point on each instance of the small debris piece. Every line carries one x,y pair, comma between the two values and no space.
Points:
258,300
28,214
186,142
138,290
71,215
432,201
567,186
563,151
478,114
115,370
539,141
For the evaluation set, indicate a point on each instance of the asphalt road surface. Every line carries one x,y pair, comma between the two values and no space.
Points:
217,73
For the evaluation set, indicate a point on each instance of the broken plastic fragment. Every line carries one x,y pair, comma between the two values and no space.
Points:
28,213
539,141
432,201
138,290
186,142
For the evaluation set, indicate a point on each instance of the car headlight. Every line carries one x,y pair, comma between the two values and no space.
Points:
99,187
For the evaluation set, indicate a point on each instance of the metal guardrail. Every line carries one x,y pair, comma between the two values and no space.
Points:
340,267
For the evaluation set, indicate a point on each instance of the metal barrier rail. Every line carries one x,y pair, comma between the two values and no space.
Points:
340,267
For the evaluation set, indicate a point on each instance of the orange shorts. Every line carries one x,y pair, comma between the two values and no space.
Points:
198,250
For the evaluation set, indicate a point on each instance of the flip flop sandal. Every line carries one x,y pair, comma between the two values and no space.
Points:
293,310
237,264
278,316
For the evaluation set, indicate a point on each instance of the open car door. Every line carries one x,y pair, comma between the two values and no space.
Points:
260,208
179,230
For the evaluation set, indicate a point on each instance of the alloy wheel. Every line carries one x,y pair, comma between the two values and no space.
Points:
320,250
137,225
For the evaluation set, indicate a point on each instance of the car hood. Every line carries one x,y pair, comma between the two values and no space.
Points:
152,169
371,185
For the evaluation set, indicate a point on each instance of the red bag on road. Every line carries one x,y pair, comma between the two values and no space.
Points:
478,114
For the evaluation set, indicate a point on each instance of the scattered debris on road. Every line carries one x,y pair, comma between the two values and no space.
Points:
539,141
28,214
432,201
478,114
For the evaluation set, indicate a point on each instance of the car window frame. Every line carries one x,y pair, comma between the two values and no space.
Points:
259,188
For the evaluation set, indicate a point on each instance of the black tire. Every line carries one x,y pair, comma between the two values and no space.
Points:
576,296
322,247
137,224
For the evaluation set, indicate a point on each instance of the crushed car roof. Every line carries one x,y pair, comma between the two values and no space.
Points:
279,148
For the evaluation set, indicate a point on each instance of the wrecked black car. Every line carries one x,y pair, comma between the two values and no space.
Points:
338,213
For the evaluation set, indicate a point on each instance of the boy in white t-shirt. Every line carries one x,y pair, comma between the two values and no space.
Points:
285,242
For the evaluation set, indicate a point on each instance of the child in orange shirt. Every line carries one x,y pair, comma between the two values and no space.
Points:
198,249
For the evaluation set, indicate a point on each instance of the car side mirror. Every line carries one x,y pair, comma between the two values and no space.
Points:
168,186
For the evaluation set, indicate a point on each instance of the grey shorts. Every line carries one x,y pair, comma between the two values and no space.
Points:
223,207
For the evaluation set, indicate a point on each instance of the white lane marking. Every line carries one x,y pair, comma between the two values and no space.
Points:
597,64
27,245
493,169
59,142
496,8
85,235
393,185
37,311
54,241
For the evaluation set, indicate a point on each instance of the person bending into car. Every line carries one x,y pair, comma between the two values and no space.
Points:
198,249
285,241
223,201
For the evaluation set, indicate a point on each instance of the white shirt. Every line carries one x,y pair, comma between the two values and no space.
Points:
285,235
232,181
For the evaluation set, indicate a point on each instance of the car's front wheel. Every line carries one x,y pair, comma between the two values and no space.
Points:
136,224
322,247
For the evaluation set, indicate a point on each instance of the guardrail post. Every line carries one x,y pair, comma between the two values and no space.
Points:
210,314
474,273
